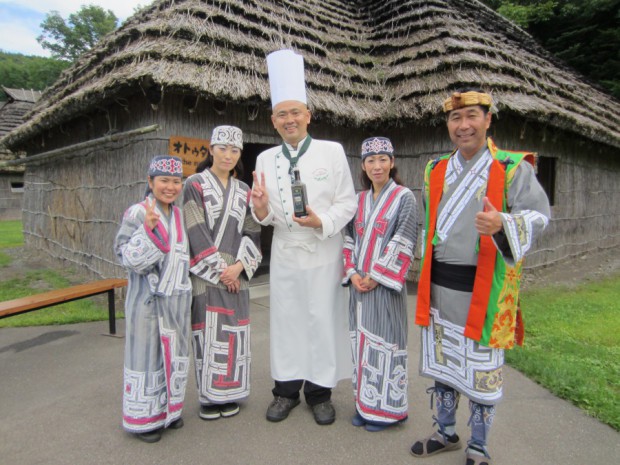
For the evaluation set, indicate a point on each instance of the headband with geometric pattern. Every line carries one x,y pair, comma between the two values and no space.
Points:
227,135
376,146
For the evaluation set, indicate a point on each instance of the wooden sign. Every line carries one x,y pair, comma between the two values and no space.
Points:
191,151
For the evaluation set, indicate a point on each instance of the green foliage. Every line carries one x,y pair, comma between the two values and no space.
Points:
586,35
572,345
524,15
67,40
28,72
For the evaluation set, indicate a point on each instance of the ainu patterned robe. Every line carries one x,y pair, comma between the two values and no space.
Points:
221,232
380,241
157,318
447,355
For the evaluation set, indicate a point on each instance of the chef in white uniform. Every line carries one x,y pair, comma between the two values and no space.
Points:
308,307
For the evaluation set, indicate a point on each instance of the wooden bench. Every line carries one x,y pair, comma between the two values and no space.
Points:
60,296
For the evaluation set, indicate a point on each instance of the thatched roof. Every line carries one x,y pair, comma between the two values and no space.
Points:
20,102
367,61
22,95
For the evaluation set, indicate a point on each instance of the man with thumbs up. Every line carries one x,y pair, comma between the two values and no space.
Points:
484,208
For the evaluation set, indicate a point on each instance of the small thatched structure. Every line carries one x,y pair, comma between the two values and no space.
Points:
18,103
371,67
12,111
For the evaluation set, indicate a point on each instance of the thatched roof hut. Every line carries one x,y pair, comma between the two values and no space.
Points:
12,111
371,66
367,62
18,103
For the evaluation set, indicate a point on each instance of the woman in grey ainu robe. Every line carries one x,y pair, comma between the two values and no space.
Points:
157,318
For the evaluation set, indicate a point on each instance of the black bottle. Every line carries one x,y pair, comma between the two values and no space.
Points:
300,197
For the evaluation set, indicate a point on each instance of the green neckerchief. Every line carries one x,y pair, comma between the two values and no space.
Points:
293,161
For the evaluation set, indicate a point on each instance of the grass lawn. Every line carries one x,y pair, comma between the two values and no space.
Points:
23,283
10,236
572,345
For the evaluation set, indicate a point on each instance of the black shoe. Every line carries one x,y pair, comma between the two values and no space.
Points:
149,436
229,410
176,424
280,407
324,413
209,412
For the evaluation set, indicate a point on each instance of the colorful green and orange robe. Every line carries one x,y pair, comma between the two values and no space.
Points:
464,331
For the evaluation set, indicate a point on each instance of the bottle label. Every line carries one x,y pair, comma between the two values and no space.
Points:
298,202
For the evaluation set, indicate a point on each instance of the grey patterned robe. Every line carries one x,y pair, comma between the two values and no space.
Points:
380,241
157,318
221,232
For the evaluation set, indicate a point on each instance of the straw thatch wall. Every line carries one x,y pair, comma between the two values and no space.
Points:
371,67
19,103
73,205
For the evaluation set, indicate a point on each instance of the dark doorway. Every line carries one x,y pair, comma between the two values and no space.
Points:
248,157
546,176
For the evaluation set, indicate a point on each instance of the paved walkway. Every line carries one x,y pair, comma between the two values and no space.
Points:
61,404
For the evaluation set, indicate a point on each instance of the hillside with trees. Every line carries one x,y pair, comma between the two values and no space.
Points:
28,72
585,34
66,40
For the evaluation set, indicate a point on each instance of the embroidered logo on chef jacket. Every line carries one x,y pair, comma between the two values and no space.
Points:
320,174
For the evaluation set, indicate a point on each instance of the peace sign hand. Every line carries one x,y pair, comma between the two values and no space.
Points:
152,217
260,197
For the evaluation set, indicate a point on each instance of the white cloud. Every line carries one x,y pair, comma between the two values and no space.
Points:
21,19
19,38
121,8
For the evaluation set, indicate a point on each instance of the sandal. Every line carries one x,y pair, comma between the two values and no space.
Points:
476,459
435,444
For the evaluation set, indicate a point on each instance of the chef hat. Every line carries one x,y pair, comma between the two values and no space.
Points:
286,77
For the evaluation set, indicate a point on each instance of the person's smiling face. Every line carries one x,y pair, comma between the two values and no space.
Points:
291,119
468,129
377,168
166,189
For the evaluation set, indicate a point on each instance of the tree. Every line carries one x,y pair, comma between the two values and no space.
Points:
584,34
28,72
67,40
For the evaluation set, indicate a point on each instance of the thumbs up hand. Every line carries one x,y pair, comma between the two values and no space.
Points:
488,221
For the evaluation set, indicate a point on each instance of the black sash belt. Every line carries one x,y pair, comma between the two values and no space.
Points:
457,277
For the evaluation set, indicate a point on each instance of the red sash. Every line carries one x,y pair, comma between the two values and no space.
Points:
486,255
423,307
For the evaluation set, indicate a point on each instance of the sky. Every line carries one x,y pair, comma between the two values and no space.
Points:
20,19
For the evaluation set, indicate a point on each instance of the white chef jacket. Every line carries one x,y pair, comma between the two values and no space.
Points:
308,307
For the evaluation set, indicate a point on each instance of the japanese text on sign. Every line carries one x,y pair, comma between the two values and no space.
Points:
191,151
